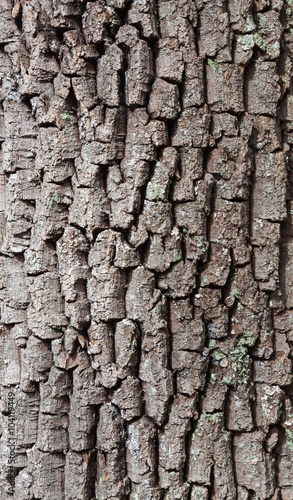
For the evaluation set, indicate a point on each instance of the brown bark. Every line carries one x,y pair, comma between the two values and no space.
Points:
146,252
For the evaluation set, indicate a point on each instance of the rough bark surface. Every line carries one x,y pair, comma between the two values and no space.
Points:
146,261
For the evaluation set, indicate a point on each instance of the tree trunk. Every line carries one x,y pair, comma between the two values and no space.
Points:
146,261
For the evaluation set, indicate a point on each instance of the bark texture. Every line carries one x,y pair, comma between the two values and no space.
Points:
146,264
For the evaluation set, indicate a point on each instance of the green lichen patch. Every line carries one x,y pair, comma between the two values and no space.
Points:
65,116
215,67
52,201
246,41
249,25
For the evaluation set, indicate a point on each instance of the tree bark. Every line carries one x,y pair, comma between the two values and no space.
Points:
146,261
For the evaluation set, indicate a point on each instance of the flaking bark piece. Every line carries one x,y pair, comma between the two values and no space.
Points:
108,75
225,87
196,122
36,360
254,468
111,471
101,348
211,446
180,280
164,100
79,474
214,34
129,398
96,20
126,347
187,331
141,454
143,14
262,88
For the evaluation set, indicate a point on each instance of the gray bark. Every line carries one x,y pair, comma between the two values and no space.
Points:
146,249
